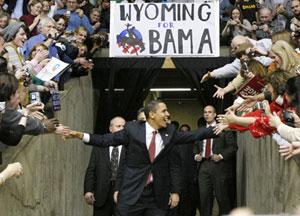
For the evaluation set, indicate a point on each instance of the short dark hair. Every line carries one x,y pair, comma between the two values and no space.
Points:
185,125
142,109
8,86
57,17
151,107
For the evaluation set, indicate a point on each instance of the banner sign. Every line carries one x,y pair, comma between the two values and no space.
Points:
164,29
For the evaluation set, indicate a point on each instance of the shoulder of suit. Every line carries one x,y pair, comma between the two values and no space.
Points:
134,124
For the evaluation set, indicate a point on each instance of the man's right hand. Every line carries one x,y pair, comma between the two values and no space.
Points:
89,198
198,157
116,194
206,77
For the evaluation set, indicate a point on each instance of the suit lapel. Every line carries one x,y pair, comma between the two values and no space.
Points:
106,156
142,139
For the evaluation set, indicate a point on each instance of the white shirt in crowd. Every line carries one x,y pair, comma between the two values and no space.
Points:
232,69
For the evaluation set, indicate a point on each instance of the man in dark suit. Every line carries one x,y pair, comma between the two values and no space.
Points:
146,184
215,173
100,175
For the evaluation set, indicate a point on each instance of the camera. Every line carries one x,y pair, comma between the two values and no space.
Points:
288,118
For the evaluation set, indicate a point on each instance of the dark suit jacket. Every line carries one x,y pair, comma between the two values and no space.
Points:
137,164
225,145
98,173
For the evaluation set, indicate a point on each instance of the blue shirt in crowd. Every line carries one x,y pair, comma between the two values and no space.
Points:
40,38
75,21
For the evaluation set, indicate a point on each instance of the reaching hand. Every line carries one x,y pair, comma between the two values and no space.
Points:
219,93
62,130
173,200
289,151
69,134
206,77
227,118
220,127
274,120
51,124
14,169
247,104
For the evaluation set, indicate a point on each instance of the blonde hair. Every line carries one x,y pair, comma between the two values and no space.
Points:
290,59
80,29
32,3
283,35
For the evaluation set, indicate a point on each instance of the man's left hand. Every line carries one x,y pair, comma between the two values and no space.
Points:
174,200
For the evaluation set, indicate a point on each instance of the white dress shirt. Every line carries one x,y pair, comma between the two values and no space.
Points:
158,140
212,141
110,152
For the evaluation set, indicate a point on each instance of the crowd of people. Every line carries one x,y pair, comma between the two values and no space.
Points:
161,169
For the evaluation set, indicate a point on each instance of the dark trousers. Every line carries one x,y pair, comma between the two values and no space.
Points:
189,200
145,206
108,208
213,180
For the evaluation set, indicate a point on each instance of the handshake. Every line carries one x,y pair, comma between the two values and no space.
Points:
67,133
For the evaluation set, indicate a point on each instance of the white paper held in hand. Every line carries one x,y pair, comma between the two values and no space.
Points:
52,69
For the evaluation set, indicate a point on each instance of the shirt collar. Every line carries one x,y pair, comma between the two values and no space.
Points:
212,124
149,128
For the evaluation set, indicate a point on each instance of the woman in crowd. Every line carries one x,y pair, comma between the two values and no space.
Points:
254,68
33,17
236,25
45,8
286,63
80,35
12,170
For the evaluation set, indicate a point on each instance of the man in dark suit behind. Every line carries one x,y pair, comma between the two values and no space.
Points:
215,173
146,184
100,175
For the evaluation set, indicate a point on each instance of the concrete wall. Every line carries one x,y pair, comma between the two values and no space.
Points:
54,170
265,182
